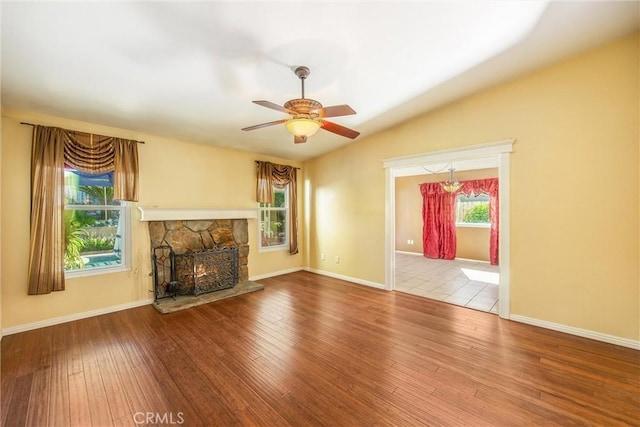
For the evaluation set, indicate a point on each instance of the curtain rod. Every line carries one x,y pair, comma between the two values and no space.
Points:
258,161
31,124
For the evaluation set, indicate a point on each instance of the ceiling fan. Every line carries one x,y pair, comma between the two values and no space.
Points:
308,115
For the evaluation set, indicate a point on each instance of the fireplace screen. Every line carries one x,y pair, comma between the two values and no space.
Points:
205,271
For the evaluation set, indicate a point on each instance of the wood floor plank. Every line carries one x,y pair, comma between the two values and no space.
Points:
310,350
8,371
59,404
17,408
79,406
96,392
38,409
116,397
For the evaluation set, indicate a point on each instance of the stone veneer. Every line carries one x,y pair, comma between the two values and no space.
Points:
188,236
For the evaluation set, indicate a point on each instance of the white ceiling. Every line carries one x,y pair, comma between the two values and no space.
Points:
189,70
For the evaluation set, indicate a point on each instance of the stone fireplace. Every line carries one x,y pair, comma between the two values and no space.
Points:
209,254
210,243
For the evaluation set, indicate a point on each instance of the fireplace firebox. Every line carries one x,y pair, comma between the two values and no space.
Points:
208,270
194,257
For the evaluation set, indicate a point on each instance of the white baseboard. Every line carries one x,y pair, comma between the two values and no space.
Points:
585,333
345,278
409,253
71,317
472,260
275,273
457,258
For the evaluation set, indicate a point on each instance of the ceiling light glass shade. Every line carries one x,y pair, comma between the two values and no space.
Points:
450,187
302,127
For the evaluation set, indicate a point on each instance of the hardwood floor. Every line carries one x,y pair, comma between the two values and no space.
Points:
311,350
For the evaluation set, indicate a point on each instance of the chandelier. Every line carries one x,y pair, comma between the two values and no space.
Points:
451,186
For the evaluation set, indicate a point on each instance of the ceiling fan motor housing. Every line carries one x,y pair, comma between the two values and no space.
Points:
304,107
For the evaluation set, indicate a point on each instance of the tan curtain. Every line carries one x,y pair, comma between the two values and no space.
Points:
52,148
46,256
270,175
125,167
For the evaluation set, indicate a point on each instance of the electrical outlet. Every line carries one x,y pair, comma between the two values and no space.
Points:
337,260
322,257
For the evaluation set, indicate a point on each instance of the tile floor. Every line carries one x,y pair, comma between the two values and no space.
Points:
472,284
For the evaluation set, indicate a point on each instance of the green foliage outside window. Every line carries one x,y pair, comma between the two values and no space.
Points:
100,195
83,219
479,213
97,244
74,239
278,199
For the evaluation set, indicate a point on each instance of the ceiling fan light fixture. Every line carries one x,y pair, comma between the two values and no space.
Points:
302,126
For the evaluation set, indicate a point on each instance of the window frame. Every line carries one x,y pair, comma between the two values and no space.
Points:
460,224
124,208
287,210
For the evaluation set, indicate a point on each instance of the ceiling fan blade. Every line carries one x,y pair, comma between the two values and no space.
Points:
340,130
273,106
264,125
299,139
335,111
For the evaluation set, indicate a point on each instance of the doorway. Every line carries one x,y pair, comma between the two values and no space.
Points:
485,155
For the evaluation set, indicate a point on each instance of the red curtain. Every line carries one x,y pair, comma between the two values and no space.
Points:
489,186
439,223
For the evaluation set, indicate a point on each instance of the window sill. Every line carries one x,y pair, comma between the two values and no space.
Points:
472,225
274,248
95,271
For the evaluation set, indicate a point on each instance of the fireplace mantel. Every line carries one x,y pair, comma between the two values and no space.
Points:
176,214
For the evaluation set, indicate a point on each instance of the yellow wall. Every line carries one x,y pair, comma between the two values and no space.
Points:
172,174
409,211
472,242
574,188
1,204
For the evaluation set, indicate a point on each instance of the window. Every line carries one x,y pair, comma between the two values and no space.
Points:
96,226
472,211
274,221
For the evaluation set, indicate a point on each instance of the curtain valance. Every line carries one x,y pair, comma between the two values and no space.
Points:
97,154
